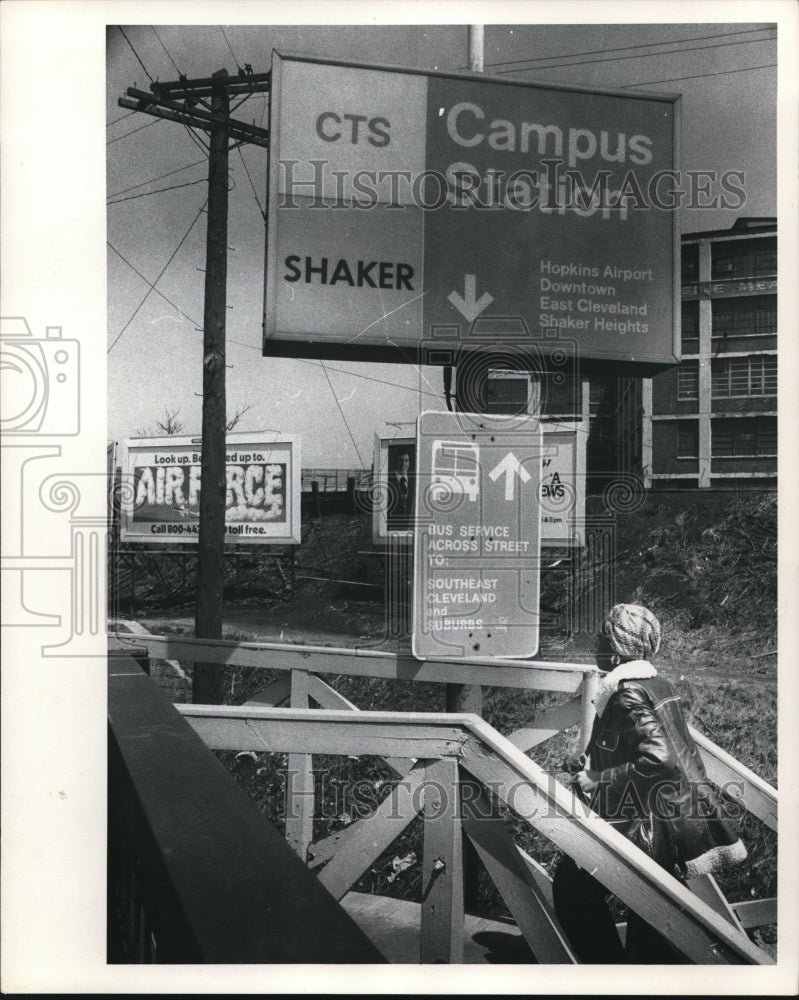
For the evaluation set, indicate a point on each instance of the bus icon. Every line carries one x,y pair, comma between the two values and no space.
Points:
455,469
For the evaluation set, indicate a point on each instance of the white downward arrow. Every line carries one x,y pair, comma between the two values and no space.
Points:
510,467
467,304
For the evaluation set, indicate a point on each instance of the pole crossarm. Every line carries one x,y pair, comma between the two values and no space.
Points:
237,130
147,101
250,82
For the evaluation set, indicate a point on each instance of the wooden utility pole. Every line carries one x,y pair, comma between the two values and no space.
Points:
183,101
208,680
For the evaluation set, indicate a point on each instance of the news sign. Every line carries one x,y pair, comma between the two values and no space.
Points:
562,489
405,205
163,480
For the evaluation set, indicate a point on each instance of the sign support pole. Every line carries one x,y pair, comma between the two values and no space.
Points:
469,697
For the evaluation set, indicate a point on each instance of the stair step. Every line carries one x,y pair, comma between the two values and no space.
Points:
393,925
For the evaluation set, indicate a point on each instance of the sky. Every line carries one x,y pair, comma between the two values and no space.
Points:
725,72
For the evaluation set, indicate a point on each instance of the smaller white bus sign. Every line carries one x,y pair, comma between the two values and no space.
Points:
477,536
162,484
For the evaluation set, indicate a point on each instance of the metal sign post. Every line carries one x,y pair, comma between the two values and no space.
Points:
477,537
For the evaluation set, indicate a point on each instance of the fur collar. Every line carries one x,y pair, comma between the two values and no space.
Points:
631,671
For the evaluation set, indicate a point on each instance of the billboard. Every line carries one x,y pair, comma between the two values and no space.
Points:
394,485
162,483
562,490
404,205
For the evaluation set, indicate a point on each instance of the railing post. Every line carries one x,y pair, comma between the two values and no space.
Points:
316,509
587,710
299,781
442,866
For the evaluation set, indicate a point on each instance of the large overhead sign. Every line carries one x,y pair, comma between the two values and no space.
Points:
403,206
162,483
477,537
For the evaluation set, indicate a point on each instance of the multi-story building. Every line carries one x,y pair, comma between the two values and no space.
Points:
711,421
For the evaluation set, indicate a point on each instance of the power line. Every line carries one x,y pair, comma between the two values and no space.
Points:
624,48
165,49
133,131
637,55
151,285
235,60
343,371
368,378
154,180
146,194
253,347
697,76
255,194
135,52
163,269
196,139
335,397
120,119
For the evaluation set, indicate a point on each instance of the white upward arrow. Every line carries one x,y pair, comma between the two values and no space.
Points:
467,304
510,467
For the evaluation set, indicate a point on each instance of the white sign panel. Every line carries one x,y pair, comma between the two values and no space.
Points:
387,186
562,493
162,484
477,539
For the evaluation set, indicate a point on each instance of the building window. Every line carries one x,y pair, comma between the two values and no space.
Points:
744,264
688,380
690,328
746,437
690,263
750,316
598,392
752,376
687,439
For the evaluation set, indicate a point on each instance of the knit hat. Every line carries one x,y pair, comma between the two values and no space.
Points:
633,631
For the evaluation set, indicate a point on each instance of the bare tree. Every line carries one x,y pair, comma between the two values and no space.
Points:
169,425
234,420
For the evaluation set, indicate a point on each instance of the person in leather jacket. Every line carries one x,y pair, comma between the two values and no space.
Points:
643,773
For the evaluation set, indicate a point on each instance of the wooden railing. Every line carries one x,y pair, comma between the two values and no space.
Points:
195,872
448,750
430,752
